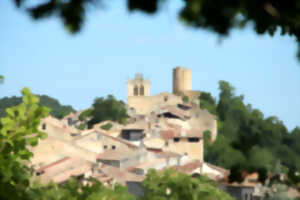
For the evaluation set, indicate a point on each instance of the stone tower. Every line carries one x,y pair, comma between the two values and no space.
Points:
138,86
182,80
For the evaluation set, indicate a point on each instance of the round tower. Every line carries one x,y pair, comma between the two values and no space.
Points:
187,80
178,73
182,80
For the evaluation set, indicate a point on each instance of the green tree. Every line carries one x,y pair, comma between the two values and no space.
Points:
82,126
75,190
18,130
108,109
244,132
107,126
261,158
85,115
177,186
223,154
208,102
225,97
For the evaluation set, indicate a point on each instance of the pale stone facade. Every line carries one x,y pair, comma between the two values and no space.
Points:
144,105
193,150
138,86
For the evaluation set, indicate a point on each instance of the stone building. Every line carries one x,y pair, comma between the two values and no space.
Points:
138,92
138,86
184,142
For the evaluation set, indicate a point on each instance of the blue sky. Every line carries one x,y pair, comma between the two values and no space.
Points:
115,44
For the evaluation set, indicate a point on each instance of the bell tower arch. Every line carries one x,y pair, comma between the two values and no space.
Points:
138,86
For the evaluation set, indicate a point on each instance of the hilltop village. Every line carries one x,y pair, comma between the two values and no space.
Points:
165,130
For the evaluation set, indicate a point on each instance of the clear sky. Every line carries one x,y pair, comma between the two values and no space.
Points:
115,44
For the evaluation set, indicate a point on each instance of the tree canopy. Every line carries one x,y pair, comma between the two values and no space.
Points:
108,109
18,130
246,139
170,184
218,16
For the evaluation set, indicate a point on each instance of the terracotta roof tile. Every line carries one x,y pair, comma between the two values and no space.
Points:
42,169
189,167
220,169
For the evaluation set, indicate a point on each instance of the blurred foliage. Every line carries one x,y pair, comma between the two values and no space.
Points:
170,184
218,16
85,115
18,131
185,99
82,126
208,102
76,190
1,79
57,110
106,126
248,141
108,109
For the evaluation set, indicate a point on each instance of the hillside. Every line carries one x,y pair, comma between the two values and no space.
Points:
57,110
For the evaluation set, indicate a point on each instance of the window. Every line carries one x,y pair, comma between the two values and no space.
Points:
44,126
98,137
105,147
136,91
70,121
113,147
176,139
142,90
193,139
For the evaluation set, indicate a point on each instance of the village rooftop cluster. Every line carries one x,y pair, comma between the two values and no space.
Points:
163,131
